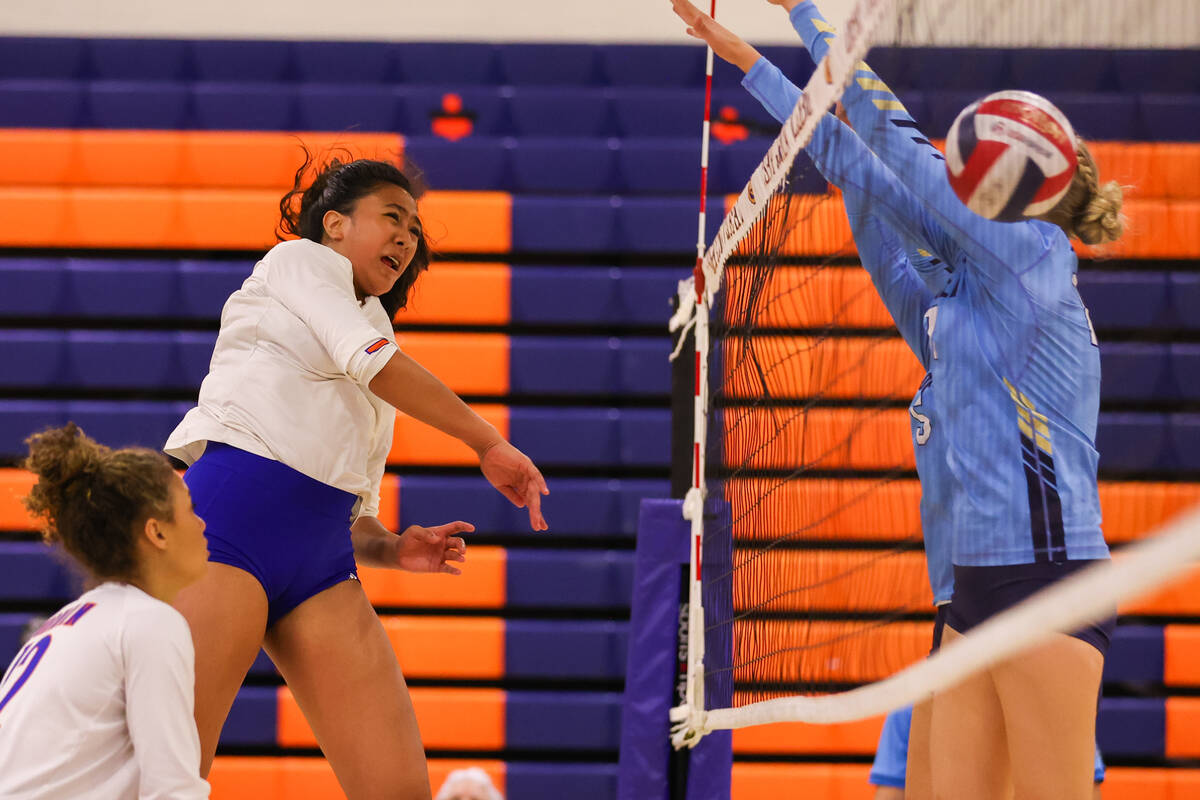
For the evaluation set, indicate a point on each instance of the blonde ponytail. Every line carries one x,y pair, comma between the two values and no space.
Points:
1088,211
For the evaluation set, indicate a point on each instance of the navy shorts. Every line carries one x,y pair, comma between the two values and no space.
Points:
983,592
291,532
939,625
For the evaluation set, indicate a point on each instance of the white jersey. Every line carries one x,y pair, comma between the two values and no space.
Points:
98,704
289,375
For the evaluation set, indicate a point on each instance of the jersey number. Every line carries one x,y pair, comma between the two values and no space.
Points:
930,325
30,656
924,428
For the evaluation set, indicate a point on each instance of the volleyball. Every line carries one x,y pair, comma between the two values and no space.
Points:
1010,156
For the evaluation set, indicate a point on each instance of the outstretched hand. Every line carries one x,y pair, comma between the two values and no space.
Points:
432,549
724,42
515,477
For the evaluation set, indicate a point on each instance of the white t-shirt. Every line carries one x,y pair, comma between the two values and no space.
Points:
289,374
98,704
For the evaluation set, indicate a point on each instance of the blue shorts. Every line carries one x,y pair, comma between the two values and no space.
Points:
291,532
983,592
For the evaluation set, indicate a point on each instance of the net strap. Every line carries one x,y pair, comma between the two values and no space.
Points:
823,89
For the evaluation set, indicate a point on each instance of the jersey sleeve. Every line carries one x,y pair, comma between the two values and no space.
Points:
998,251
159,702
318,288
881,250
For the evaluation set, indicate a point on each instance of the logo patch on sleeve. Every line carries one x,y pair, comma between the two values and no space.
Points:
376,346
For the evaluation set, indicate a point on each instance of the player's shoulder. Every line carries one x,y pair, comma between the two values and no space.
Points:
148,617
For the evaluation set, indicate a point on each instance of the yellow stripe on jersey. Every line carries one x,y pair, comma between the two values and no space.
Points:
1033,425
862,67
890,105
873,85
823,26
924,253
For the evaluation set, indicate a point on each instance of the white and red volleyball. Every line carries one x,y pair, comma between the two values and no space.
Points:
1010,156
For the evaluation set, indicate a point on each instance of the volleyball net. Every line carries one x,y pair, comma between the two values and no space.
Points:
810,598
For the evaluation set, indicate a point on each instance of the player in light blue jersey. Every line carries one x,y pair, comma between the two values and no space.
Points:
1013,287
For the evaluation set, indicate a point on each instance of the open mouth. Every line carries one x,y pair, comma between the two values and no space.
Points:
391,263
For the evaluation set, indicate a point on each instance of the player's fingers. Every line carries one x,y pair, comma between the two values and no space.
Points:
512,495
451,528
453,555
449,570
536,520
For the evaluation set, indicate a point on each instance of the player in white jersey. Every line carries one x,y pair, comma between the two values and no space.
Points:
287,447
98,703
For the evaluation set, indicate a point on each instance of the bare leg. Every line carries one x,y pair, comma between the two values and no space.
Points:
918,783
227,612
340,666
968,751
1049,699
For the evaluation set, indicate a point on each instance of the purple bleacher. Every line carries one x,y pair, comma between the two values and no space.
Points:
1157,70
106,287
33,287
11,628
450,64
1136,654
1183,296
575,506
139,104
119,360
593,295
1133,442
658,112
1131,726
485,104
241,105
33,359
1061,69
1184,434
749,110
41,57
30,572
652,65
734,164
663,224
1126,300
1171,117
338,107
645,437
566,225
558,111
568,578
942,68
191,355
562,720
1185,367
652,165
1102,116
565,648
643,366
37,103
125,423
346,62
556,366
555,780
250,61
19,418
252,719
204,286
138,59
549,64
476,162
563,166
562,436
1137,371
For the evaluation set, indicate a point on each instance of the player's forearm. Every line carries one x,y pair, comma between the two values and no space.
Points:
411,388
374,545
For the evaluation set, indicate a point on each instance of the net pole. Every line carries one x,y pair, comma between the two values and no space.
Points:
693,506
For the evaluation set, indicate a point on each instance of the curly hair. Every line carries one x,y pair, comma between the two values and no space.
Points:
91,499
338,186
1088,211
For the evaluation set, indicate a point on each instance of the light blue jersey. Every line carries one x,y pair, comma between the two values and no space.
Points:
1012,353
907,279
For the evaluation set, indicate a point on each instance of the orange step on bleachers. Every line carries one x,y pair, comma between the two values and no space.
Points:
175,159
216,219
300,778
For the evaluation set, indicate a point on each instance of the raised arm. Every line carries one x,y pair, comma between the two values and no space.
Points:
998,251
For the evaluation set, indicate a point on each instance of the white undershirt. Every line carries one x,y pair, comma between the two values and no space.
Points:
289,375
100,704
